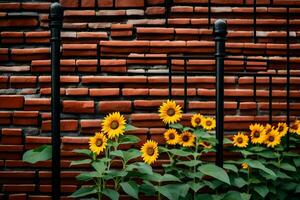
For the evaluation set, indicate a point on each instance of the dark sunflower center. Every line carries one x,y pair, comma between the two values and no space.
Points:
99,142
271,138
185,138
150,151
256,134
171,112
197,120
171,136
208,123
294,126
114,125
240,140
280,128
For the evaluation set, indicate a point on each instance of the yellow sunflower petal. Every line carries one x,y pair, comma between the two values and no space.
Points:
187,139
98,143
149,152
272,139
171,136
240,140
196,120
257,134
282,129
114,125
208,123
295,127
170,112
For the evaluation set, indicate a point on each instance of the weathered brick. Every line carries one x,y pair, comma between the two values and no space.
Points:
11,101
114,106
78,106
129,3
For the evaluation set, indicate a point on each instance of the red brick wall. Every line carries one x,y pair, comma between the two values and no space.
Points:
91,87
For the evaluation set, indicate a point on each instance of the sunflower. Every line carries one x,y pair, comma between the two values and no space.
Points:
295,127
149,152
170,112
114,125
257,133
245,166
282,129
98,143
196,120
171,136
240,140
272,138
205,145
268,128
208,123
187,139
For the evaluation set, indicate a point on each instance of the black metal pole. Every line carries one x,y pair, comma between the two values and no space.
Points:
56,17
220,32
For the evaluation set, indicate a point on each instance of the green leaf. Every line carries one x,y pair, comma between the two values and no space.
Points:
156,177
173,191
284,166
128,139
196,186
129,127
147,188
189,163
282,175
80,162
83,151
246,153
112,194
239,182
115,173
258,165
131,154
231,167
234,195
267,154
140,167
84,191
179,152
297,162
41,153
227,141
99,166
198,133
86,176
215,171
290,154
262,190
176,126
187,129
131,189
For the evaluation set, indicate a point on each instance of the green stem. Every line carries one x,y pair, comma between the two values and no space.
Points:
158,196
248,181
195,158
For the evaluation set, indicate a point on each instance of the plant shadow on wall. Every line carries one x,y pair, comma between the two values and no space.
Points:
261,168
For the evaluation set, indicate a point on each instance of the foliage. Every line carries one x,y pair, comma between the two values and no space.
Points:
263,168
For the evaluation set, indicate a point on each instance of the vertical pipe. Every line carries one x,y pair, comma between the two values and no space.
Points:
254,22
209,14
185,84
220,32
169,65
56,17
288,75
270,99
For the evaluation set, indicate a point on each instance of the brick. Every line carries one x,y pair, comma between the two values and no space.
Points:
42,104
155,11
10,6
111,13
69,3
114,79
129,3
11,101
15,68
76,13
35,6
87,3
65,125
155,2
210,105
105,3
11,131
135,92
114,106
90,123
78,106
18,187
17,196
23,81
94,92
77,91
25,118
